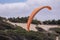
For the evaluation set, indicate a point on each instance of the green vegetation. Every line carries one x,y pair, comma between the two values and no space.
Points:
4,25
11,32
57,30
21,34
18,20
23,20
34,21
52,22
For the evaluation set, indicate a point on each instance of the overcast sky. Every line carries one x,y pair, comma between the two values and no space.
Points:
22,8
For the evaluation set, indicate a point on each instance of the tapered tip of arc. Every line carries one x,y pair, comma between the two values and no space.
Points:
48,7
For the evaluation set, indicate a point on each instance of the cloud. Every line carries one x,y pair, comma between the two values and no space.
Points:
12,6
25,9
11,9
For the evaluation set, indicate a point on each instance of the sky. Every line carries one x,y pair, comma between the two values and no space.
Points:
23,8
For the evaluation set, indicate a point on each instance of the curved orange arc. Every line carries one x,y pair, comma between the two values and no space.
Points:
33,14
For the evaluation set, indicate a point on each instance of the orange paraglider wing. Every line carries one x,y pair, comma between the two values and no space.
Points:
33,14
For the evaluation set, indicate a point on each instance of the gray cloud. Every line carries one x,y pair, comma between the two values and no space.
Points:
25,9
